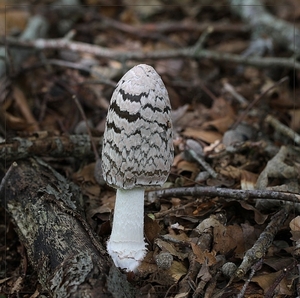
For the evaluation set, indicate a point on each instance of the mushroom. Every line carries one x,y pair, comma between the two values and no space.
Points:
137,152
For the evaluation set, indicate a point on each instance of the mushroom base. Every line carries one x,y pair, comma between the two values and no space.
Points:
126,245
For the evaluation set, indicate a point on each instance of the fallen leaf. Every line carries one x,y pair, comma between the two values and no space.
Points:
185,166
204,135
169,247
229,238
151,228
295,224
258,216
221,124
295,119
203,257
177,270
265,281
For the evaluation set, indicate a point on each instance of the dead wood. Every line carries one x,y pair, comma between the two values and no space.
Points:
257,17
48,214
188,52
259,249
51,146
229,194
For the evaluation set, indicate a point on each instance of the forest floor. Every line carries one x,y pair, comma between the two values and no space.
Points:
228,219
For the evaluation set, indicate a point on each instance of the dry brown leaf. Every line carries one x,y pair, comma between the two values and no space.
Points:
278,263
91,190
295,224
85,174
203,257
295,228
227,238
232,46
185,166
13,122
24,108
177,270
249,233
267,280
258,216
179,237
247,179
221,124
152,229
12,20
204,273
221,108
295,120
204,135
169,247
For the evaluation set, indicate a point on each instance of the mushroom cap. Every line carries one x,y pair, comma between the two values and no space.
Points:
137,146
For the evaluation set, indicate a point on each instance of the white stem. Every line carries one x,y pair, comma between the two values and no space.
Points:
126,245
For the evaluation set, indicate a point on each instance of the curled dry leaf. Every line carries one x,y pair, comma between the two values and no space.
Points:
259,217
185,166
204,257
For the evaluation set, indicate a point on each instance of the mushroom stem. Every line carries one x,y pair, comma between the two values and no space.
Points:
126,245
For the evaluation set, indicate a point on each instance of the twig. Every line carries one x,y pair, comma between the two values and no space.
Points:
203,163
233,194
284,272
257,266
187,52
171,210
136,30
257,17
258,250
229,88
199,44
283,129
169,26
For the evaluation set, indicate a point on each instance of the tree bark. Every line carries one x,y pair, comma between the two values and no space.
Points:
48,214
78,146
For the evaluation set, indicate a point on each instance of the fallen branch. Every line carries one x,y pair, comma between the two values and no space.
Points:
232,194
50,146
283,129
258,18
259,249
188,52
48,214
150,30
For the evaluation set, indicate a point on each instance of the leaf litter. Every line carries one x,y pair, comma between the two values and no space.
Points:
199,234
